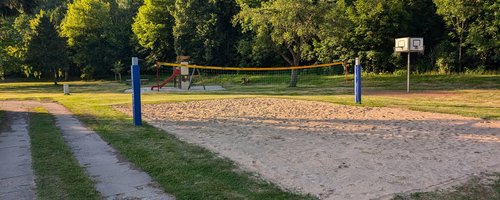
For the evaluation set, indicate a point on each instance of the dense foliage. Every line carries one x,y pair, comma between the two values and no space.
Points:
100,36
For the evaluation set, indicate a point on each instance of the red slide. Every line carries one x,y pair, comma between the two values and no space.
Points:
176,73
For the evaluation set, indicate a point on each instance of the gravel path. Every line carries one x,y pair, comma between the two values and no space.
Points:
336,151
115,177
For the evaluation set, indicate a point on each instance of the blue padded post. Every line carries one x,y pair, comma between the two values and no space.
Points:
136,92
357,82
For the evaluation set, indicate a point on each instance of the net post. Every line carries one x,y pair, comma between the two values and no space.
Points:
357,82
136,91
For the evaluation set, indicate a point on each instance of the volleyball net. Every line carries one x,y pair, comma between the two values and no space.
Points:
197,77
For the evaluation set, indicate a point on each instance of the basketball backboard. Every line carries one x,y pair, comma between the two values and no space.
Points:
409,44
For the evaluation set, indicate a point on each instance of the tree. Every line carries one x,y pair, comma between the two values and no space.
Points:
458,15
204,32
153,28
9,41
483,39
47,54
375,25
14,7
291,24
90,29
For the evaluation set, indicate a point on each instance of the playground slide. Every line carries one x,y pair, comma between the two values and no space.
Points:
176,73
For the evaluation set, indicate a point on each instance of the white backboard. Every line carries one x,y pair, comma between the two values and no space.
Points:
409,44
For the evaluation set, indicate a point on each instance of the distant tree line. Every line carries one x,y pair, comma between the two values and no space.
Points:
96,38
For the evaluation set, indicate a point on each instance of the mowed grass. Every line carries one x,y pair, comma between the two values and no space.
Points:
191,172
477,188
58,174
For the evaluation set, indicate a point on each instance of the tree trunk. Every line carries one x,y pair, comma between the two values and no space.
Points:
55,76
294,74
460,54
296,62
293,78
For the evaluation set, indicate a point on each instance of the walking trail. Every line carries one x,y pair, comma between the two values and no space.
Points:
115,177
16,176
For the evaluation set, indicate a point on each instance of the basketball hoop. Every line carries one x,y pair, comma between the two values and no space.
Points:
408,45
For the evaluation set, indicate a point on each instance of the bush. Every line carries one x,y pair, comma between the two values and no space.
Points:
399,72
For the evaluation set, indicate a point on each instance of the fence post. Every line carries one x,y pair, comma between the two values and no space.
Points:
357,82
136,92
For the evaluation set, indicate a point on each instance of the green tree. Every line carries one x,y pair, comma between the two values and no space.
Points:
334,41
203,30
47,52
483,39
9,41
14,7
152,27
90,28
458,15
376,24
291,25
424,22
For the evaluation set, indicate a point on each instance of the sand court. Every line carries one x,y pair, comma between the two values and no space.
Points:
336,151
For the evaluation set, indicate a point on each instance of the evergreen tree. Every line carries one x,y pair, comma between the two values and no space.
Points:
47,52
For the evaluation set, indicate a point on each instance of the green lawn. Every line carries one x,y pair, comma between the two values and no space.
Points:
58,174
191,172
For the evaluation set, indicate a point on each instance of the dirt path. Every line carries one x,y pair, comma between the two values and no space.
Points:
335,151
115,177
16,176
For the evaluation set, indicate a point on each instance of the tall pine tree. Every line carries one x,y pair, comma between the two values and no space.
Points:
47,52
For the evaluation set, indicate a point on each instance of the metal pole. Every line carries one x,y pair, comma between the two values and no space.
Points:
408,75
136,92
357,82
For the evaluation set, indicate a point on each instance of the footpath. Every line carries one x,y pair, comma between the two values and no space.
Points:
115,177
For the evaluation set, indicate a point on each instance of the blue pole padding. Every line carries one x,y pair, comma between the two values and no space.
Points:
136,92
357,82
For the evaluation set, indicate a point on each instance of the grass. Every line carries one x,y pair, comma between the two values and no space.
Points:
473,189
58,174
191,172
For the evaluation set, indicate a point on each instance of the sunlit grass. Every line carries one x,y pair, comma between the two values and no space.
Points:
58,174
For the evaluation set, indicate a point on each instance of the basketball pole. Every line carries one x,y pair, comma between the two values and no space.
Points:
408,75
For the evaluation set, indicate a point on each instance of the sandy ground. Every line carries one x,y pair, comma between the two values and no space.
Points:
336,151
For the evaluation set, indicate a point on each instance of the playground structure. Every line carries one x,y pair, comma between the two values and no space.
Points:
174,75
181,77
